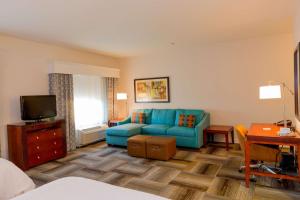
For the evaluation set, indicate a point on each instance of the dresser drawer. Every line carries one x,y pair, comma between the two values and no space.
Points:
57,133
44,135
37,158
57,153
37,137
44,146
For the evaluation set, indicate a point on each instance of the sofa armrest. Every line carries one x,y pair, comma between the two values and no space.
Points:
125,121
203,124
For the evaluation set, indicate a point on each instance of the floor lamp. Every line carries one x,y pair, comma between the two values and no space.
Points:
276,90
123,97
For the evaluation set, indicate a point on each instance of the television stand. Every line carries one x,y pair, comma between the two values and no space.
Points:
39,121
36,143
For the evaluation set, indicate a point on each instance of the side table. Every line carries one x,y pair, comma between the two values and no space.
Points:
219,129
113,122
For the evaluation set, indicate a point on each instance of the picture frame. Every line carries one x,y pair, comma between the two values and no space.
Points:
152,90
297,80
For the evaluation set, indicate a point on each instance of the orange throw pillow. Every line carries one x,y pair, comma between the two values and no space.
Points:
138,118
190,121
187,120
181,121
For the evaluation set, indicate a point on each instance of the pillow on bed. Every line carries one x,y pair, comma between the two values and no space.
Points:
13,181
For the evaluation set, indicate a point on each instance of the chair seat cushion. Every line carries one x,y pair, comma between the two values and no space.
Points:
181,131
155,129
125,130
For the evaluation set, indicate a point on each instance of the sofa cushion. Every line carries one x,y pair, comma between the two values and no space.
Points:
198,114
155,129
181,131
163,116
148,114
181,120
138,117
125,130
186,120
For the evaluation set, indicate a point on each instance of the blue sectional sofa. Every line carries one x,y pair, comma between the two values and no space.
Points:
161,122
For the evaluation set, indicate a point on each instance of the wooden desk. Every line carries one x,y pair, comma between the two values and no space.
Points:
257,135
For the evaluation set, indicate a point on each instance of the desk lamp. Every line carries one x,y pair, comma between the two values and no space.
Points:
276,90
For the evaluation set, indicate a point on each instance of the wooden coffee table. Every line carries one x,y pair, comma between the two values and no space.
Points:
219,129
136,145
161,148
152,147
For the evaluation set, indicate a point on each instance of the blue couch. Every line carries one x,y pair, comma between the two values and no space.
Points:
161,122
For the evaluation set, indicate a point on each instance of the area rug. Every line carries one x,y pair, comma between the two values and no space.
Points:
208,173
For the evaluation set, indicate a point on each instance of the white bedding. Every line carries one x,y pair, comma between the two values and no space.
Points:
13,181
75,188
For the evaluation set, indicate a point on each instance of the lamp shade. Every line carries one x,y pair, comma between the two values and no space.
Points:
270,92
121,96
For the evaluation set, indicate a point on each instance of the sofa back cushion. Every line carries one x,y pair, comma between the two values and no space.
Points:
163,116
197,113
148,113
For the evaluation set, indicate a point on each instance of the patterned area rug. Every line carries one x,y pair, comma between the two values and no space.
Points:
209,173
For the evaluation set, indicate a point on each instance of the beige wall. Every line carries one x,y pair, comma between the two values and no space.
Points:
223,78
297,23
24,69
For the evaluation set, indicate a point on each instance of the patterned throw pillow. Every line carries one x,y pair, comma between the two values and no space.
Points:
190,121
187,120
181,120
138,117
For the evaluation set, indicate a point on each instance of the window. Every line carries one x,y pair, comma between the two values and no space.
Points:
89,101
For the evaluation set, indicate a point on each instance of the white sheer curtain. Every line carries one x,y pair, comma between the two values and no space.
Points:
89,101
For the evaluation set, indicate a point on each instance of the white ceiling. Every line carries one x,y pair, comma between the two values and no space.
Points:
131,27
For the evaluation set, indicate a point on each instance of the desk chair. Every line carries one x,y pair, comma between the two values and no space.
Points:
258,152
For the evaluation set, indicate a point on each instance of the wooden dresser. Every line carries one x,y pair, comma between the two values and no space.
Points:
32,144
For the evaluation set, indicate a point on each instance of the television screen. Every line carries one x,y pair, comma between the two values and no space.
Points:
38,107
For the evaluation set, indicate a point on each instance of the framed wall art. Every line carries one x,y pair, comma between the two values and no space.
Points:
297,80
152,90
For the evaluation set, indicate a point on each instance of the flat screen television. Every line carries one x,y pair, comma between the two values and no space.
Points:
36,108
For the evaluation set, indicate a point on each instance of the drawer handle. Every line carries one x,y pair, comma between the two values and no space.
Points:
37,137
54,143
38,157
37,147
155,148
55,152
54,133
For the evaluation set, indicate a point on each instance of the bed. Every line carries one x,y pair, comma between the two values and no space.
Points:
76,188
